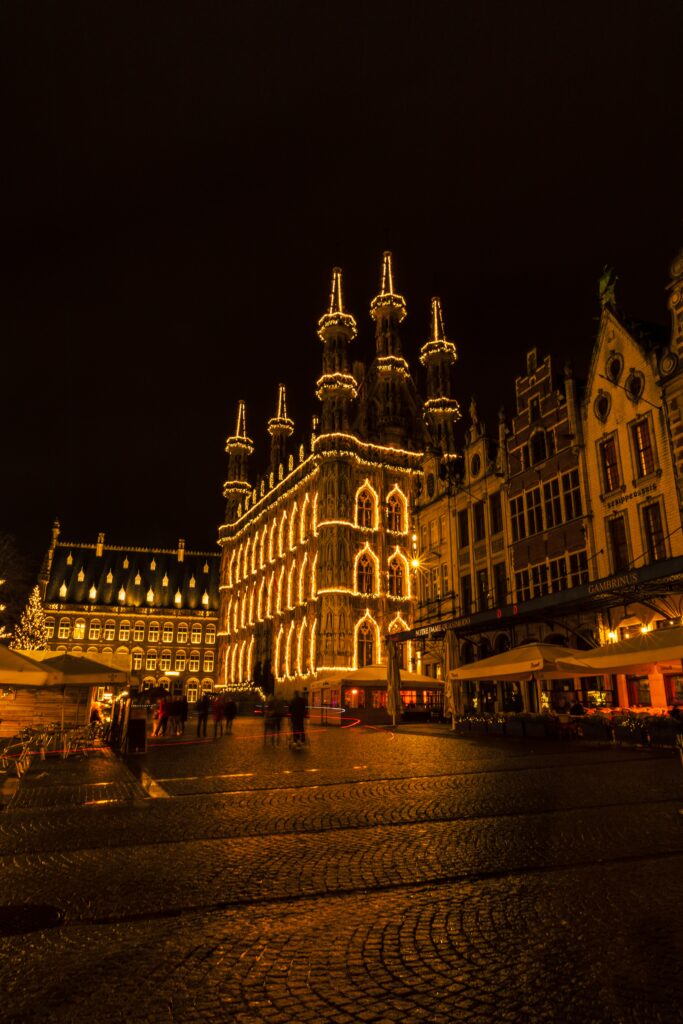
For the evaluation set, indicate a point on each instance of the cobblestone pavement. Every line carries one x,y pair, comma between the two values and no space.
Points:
369,877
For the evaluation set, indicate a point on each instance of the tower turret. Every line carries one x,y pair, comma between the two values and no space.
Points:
280,428
239,447
337,387
388,310
437,356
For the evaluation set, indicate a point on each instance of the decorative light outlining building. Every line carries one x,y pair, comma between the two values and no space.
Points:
315,567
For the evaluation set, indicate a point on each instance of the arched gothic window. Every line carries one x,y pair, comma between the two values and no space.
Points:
364,574
365,508
396,577
366,643
395,513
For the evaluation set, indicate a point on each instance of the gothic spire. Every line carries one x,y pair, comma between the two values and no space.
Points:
280,428
437,341
335,315
388,299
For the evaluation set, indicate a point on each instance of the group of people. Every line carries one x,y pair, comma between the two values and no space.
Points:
222,711
171,715
274,712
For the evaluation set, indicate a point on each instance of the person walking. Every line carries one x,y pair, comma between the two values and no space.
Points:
203,708
182,715
298,710
218,715
162,712
230,713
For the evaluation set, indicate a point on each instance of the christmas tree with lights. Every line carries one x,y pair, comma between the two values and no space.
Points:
31,633
4,635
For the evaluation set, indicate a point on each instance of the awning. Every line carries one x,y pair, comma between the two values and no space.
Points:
660,645
536,659
19,669
67,669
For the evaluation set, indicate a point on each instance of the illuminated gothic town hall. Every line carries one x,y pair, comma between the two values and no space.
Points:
392,514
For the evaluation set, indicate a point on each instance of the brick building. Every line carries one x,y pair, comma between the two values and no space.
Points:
160,606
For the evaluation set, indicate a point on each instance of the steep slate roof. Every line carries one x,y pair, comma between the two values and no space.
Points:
80,567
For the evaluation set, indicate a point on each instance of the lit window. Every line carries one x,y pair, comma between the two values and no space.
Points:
50,628
64,629
642,448
396,577
196,633
150,596
654,532
208,661
122,595
572,494
180,660
366,643
182,633
165,661
139,631
167,635
151,660
210,635
609,465
124,631
95,630
62,590
365,507
395,513
109,629
92,593
193,664
205,599
137,661
364,575
153,633
178,597
79,629
552,503
517,518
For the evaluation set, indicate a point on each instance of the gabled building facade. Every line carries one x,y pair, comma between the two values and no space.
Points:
159,606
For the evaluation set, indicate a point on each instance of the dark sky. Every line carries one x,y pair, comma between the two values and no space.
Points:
177,181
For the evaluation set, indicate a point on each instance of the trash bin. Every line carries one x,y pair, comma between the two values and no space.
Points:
136,737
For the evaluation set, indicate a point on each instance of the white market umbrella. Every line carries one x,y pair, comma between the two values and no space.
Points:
542,661
644,649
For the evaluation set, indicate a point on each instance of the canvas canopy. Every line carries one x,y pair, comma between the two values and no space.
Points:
66,669
661,645
542,661
17,669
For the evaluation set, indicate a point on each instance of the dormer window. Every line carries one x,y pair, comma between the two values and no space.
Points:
122,595
164,582
126,563
153,565
206,566
138,579
193,582
150,596
92,594
205,599
81,576
62,590
178,597
110,578
69,559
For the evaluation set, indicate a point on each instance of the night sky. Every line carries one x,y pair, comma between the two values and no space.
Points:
178,180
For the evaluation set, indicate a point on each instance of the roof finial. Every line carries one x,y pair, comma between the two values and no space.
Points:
387,297
335,316
438,344
437,333
336,301
281,403
387,286
241,428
